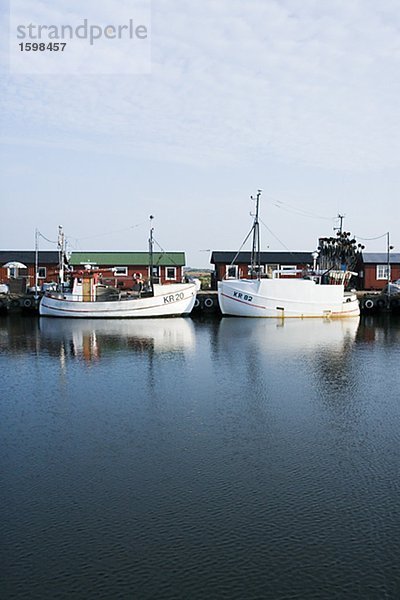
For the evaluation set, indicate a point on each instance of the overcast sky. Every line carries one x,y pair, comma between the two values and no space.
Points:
300,98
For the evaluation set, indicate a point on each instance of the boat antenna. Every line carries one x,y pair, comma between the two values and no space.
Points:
340,228
151,260
255,251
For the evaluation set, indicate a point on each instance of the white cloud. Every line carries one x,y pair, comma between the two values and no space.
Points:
91,38
231,81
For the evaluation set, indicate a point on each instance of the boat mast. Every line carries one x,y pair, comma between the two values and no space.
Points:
388,249
36,262
255,251
151,244
61,252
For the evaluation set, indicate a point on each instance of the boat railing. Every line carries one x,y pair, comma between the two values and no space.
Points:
338,277
54,294
288,273
330,277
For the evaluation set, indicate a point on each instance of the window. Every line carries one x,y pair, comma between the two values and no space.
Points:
231,271
120,271
156,274
288,270
42,273
256,269
170,272
271,268
382,272
14,272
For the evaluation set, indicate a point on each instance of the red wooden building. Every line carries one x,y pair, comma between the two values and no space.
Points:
123,269
375,269
17,268
233,264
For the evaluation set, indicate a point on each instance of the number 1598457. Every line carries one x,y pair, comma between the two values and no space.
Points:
42,46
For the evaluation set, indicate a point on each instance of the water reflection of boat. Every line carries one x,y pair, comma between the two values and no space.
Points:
288,336
90,337
283,358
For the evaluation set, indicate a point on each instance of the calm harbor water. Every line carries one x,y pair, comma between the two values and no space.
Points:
175,459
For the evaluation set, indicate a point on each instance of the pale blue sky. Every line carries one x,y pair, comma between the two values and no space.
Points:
299,98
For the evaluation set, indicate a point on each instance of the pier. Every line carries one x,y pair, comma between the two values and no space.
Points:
18,302
376,302
206,303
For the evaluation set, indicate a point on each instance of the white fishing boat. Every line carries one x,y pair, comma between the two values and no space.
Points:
165,301
89,298
320,293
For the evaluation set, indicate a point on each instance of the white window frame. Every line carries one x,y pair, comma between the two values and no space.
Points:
166,274
288,270
270,268
228,267
120,271
382,272
262,269
12,273
42,270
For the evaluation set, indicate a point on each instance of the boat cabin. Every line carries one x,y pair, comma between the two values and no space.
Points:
84,286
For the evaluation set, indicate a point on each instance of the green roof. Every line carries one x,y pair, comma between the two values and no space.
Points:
126,259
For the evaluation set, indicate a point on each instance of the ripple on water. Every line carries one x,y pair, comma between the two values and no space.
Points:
227,460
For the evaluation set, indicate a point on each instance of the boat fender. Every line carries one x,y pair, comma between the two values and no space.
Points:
395,303
381,303
27,302
208,302
369,304
197,303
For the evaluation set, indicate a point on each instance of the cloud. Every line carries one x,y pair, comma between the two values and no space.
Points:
233,82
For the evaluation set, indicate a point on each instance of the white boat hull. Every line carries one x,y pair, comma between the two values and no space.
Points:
168,301
285,298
